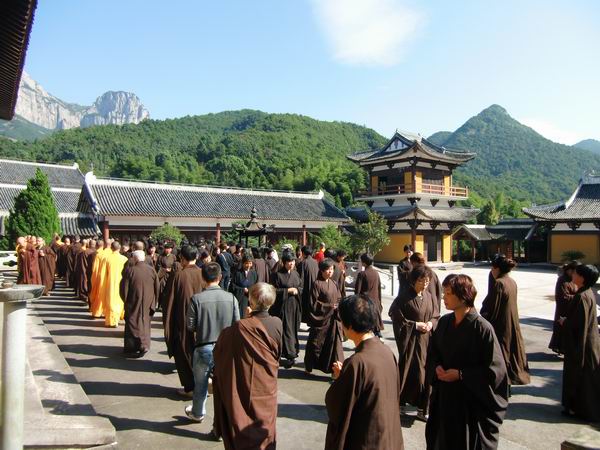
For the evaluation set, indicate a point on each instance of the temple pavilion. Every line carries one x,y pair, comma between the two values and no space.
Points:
410,185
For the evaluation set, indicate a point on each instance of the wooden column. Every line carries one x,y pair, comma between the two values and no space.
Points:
105,230
218,233
473,244
303,234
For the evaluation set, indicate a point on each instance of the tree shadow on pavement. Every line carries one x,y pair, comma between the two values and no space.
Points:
314,413
545,324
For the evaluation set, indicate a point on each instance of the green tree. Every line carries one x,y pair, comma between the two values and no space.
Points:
167,232
334,238
488,215
370,236
34,211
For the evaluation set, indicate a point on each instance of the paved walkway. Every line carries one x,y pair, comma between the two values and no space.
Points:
138,395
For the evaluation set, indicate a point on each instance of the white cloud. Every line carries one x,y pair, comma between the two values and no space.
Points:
552,132
367,32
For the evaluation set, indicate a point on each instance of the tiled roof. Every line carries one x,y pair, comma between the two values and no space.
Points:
476,232
129,198
66,200
16,19
19,172
584,204
410,141
81,224
405,212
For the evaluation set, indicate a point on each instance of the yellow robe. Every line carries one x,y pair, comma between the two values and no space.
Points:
113,303
98,278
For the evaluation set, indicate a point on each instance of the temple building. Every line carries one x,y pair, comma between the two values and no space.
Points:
572,225
410,185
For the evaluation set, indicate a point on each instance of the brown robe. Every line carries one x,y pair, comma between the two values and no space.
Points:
31,265
563,294
324,344
61,262
339,276
405,311
308,269
81,275
468,413
246,359
165,269
47,262
72,276
363,403
501,310
288,308
91,257
581,373
180,341
262,270
139,291
369,284
404,267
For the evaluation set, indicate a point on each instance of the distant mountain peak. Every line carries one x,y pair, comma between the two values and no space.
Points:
41,108
494,109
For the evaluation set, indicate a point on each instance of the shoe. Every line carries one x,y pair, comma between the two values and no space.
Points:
191,416
214,436
185,393
288,363
421,415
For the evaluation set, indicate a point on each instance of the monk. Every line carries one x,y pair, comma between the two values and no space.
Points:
324,345
260,266
339,271
308,269
80,275
112,303
241,282
435,287
363,402
165,265
501,310
246,358
139,291
47,262
288,286
72,274
369,284
90,255
61,262
564,292
97,279
180,342
30,262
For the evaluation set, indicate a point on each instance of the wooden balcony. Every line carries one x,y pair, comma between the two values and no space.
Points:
421,188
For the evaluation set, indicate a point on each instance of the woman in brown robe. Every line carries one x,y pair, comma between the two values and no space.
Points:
47,265
363,402
62,262
581,373
414,315
501,310
469,393
287,307
564,292
324,344
339,271
369,284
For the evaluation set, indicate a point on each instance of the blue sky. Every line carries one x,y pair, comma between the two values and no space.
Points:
422,66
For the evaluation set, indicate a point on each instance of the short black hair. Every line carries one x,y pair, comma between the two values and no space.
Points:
189,252
326,264
287,256
462,286
307,250
503,263
255,253
341,253
211,272
358,312
417,273
589,274
329,253
408,248
366,259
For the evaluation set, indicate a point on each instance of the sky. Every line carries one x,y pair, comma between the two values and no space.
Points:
420,66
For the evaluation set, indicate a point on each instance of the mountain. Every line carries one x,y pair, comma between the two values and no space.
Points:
22,130
589,144
514,159
440,137
237,148
35,105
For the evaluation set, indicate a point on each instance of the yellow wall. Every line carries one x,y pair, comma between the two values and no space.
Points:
447,184
446,248
394,251
420,244
585,243
419,181
408,179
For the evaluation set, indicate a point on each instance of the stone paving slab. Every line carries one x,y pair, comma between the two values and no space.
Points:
138,396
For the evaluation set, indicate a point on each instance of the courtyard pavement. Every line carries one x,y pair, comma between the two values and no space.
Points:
138,395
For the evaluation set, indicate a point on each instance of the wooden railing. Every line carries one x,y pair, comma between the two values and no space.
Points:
437,189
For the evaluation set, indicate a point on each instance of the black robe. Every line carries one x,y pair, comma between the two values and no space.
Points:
404,267
339,276
324,344
564,292
500,309
581,373
242,280
139,291
363,403
308,269
369,284
466,414
288,308
405,311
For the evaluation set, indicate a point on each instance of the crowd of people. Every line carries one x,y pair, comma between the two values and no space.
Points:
232,316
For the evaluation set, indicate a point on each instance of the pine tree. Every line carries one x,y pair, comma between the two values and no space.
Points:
370,236
34,212
167,233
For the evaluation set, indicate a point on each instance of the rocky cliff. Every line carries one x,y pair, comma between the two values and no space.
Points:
41,108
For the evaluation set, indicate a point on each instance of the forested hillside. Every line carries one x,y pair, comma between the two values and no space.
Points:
240,148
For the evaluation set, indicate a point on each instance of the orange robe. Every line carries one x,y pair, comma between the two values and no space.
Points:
98,277
112,301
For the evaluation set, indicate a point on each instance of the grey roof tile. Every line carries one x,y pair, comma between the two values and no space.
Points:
19,172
